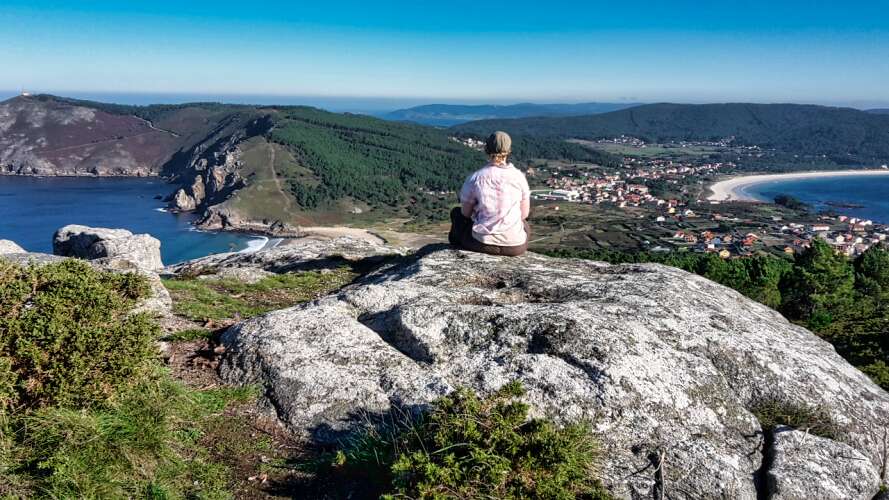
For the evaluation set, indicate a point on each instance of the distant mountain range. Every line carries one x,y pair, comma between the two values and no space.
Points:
879,111
845,135
446,115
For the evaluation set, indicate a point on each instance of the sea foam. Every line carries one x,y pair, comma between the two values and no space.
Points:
255,245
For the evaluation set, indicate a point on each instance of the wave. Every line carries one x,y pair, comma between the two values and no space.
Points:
255,245
164,210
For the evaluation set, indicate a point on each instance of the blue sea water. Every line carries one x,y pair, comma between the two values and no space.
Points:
31,209
871,192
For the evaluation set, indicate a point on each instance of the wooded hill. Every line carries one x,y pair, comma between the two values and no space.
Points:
845,135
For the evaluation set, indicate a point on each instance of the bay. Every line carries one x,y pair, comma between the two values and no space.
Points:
868,194
32,209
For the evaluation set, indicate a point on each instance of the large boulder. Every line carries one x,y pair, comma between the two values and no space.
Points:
75,240
9,247
662,362
93,243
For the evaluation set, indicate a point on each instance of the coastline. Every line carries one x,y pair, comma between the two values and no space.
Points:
732,189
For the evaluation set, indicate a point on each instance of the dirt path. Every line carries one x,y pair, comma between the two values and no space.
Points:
288,208
79,146
152,127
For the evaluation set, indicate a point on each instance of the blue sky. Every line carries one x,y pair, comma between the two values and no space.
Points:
704,51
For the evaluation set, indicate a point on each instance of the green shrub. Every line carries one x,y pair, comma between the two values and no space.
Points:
469,447
85,409
67,336
189,334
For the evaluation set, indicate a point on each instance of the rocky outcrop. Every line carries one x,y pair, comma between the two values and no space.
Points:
209,171
190,198
806,466
8,246
222,217
298,255
665,364
91,243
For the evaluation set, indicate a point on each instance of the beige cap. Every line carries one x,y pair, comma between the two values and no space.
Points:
498,143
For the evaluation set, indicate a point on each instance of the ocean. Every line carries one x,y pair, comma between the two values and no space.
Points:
863,197
32,209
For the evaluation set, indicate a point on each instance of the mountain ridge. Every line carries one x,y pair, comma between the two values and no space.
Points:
843,133
445,115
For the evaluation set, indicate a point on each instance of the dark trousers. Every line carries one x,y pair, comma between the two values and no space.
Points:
461,236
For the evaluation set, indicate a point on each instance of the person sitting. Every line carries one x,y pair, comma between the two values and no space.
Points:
495,203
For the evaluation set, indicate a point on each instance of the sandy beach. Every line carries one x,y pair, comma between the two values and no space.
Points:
733,189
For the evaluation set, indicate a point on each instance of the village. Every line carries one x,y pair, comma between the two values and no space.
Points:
688,222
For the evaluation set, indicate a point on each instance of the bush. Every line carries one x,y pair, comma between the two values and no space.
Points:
468,447
85,409
67,336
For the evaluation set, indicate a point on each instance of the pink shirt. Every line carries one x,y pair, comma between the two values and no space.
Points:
498,192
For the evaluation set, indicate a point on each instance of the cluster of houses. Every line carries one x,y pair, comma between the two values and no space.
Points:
619,188
849,235
725,245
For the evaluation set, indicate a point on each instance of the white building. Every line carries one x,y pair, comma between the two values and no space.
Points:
562,194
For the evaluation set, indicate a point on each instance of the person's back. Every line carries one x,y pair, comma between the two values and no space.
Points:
495,202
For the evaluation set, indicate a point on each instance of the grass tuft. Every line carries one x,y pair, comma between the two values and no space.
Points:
772,412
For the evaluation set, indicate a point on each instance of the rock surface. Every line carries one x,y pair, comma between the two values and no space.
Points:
94,243
297,255
661,361
806,466
8,246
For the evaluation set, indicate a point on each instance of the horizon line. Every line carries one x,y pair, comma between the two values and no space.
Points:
860,104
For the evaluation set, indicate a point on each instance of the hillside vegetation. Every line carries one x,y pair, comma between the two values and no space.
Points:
293,163
842,134
367,159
